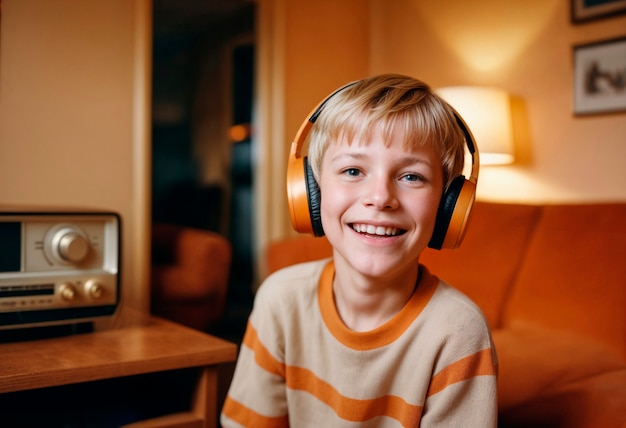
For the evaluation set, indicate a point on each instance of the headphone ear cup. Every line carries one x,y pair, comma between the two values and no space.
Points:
297,195
314,200
453,214
303,197
303,193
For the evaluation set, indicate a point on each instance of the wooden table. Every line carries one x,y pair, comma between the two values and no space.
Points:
139,345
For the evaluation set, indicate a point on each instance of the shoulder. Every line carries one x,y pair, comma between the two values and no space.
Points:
291,283
284,303
459,327
453,309
448,298
457,300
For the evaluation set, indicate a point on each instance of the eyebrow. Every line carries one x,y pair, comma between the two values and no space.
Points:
405,161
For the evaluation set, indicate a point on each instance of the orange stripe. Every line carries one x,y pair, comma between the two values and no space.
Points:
353,409
249,418
298,378
478,364
261,355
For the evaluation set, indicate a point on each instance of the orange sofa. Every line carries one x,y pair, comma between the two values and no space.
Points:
551,280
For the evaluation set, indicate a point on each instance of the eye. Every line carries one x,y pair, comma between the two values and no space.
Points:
412,177
352,172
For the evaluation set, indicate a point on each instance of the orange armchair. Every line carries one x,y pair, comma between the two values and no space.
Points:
190,272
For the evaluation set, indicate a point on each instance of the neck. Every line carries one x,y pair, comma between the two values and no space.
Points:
365,303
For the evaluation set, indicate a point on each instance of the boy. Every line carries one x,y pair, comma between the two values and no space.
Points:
370,337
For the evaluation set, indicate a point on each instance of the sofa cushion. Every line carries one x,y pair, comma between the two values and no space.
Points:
535,361
487,261
573,276
597,401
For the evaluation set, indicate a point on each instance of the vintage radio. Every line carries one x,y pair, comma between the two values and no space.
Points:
58,267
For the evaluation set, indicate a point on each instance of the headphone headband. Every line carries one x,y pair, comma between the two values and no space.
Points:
306,126
471,145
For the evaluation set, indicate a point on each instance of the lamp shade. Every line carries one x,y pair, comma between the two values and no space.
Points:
487,112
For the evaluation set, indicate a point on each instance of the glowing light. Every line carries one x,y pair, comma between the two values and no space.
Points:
238,133
513,26
487,112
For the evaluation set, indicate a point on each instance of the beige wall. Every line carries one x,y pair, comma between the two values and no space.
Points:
305,50
74,115
524,48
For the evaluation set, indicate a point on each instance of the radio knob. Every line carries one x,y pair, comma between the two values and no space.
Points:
67,244
94,289
67,292
73,247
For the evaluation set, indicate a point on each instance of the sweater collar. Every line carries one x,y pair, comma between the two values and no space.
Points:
386,333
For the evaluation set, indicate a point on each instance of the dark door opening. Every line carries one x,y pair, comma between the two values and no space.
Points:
190,39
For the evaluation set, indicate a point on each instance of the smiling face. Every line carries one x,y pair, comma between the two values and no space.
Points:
379,201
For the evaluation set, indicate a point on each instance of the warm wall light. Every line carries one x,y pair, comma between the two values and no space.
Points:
487,112
239,133
488,37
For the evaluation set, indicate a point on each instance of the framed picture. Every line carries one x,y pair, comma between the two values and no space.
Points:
600,77
585,10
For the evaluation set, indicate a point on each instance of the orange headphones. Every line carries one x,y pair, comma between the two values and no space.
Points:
303,194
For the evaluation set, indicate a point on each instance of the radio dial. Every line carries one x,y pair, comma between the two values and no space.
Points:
69,244
68,292
73,247
94,289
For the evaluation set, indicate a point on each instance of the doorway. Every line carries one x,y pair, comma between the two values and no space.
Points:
203,84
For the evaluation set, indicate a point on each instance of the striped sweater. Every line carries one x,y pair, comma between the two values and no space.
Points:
432,365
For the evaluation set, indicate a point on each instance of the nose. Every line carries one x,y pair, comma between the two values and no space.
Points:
380,193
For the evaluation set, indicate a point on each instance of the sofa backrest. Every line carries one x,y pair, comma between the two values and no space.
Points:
485,265
297,249
574,273
558,266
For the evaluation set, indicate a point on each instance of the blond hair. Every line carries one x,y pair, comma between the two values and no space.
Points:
392,102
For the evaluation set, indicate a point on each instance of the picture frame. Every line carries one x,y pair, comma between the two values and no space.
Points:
600,77
587,10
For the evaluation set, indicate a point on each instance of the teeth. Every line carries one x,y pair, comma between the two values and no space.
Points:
375,230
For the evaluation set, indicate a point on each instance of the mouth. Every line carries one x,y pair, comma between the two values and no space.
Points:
370,229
